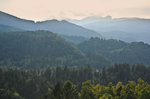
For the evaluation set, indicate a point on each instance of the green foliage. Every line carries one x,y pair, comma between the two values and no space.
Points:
69,91
32,49
74,39
106,83
40,48
87,91
57,92
118,51
118,91
7,94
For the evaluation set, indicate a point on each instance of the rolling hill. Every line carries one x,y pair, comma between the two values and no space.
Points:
32,49
118,51
40,48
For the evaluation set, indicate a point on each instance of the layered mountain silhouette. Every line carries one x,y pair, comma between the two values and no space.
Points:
60,27
127,29
29,44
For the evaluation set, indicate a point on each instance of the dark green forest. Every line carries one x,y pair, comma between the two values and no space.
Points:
118,51
43,65
32,49
119,81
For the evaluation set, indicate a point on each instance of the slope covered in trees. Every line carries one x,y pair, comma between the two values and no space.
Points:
118,51
32,49
51,82
74,39
39,48
135,52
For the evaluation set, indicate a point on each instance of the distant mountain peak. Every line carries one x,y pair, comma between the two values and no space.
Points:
4,14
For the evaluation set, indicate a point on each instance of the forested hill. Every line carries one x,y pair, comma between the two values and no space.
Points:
118,51
39,48
32,49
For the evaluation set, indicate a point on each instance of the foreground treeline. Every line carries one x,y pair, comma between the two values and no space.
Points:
41,83
131,90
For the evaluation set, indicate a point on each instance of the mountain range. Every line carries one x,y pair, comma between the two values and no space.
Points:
126,29
29,44
60,27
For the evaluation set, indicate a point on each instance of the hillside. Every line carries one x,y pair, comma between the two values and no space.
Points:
60,27
101,45
74,39
135,52
40,48
118,51
32,49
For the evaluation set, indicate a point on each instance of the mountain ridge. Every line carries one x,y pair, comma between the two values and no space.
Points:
118,51
55,26
127,29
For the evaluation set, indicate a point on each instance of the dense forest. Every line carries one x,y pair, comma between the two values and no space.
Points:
43,65
116,81
118,51
32,49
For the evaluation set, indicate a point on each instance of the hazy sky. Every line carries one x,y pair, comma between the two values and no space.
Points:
48,9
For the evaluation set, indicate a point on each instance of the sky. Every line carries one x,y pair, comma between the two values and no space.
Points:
39,10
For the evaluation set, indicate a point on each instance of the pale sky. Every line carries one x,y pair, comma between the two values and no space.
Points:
75,9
